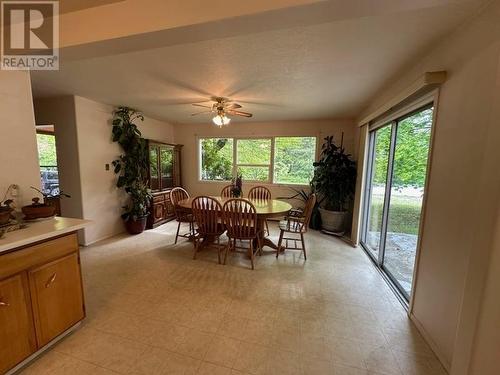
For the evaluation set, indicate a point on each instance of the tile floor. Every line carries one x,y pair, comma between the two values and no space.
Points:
153,310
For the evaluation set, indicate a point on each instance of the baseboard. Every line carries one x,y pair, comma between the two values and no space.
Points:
88,243
432,344
40,351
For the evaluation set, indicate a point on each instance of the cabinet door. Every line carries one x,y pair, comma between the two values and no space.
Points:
158,211
167,167
154,172
177,166
17,335
169,207
57,298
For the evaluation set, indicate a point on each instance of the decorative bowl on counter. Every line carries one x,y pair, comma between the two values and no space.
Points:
5,215
38,210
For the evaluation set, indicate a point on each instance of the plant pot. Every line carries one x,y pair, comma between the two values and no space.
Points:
5,216
38,210
136,226
333,221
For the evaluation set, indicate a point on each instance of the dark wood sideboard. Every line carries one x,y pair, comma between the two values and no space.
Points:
164,173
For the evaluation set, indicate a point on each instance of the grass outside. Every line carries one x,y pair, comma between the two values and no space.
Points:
404,214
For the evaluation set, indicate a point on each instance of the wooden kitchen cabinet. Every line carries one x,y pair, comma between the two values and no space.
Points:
17,334
41,296
57,297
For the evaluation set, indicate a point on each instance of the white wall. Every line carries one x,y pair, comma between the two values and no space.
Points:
463,187
188,134
486,344
18,150
84,147
102,201
60,112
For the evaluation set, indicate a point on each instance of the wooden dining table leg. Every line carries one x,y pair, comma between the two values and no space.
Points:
265,241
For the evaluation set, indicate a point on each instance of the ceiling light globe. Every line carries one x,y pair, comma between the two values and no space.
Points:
221,120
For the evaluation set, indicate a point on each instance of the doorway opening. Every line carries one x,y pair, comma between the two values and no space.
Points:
398,155
49,172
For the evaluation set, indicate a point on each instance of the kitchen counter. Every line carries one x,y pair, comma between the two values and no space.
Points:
40,231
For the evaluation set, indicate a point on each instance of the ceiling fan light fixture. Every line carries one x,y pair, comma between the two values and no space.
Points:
221,120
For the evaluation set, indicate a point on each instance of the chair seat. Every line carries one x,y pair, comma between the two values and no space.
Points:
185,218
252,233
291,226
221,228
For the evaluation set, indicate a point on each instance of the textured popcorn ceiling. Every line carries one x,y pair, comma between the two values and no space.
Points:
324,70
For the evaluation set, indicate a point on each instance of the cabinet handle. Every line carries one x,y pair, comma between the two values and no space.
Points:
4,304
51,280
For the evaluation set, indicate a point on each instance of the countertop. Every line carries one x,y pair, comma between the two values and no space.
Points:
39,231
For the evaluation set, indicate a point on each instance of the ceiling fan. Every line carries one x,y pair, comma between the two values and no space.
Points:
221,108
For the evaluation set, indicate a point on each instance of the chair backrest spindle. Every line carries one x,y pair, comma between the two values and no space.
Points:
259,193
226,191
240,218
206,212
178,194
308,209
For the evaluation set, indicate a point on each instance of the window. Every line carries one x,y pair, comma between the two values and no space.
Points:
280,160
293,159
254,159
216,159
48,163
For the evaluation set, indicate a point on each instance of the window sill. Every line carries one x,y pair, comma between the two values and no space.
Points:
298,186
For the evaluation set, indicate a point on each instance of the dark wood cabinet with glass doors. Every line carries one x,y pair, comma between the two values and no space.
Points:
164,174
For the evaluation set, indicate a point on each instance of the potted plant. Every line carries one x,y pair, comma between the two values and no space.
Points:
303,195
237,186
335,182
131,168
5,211
51,203
137,209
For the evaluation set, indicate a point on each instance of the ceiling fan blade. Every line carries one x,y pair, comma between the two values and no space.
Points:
257,102
232,106
201,105
239,113
200,113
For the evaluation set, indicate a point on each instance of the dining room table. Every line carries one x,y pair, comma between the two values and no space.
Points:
265,209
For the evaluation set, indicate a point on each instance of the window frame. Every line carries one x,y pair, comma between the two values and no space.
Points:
427,101
200,159
270,166
235,165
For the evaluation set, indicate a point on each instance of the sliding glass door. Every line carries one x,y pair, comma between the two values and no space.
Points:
397,160
379,149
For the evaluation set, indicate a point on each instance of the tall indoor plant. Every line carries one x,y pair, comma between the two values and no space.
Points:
131,168
334,181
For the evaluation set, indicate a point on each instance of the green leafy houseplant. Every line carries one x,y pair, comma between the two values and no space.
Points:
131,167
237,186
5,211
335,181
303,195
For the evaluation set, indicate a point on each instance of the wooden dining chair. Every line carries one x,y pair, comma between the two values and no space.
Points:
296,225
226,191
240,219
260,193
207,212
182,215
